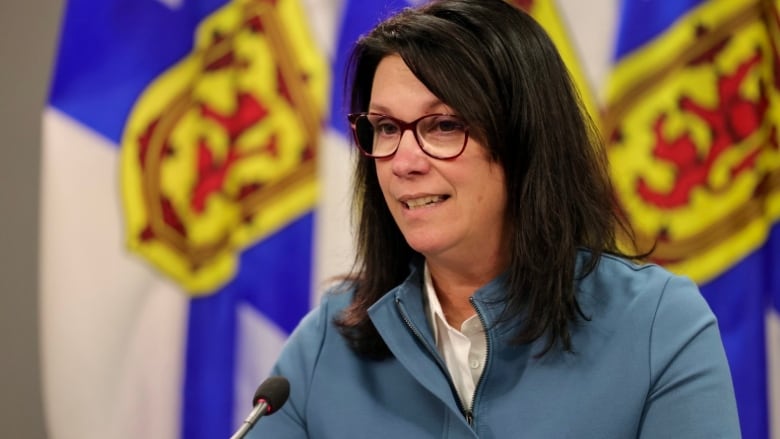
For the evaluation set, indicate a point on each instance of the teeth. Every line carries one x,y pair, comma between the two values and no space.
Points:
424,201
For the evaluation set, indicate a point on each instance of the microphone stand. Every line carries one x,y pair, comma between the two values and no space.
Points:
250,421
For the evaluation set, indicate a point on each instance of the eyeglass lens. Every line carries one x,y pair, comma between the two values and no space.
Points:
440,136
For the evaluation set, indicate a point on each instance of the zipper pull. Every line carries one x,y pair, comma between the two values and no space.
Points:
470,417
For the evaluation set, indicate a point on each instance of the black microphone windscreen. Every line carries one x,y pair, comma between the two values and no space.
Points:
274,391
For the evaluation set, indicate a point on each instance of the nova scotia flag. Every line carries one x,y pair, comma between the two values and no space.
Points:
194,200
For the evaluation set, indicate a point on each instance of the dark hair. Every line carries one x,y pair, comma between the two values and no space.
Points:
498,69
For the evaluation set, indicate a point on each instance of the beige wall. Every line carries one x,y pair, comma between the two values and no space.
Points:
29,29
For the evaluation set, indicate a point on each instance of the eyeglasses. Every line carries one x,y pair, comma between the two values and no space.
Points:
441,136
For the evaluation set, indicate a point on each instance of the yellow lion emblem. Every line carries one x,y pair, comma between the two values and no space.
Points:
221,149
692,124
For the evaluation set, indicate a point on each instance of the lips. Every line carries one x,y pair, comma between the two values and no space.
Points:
416,202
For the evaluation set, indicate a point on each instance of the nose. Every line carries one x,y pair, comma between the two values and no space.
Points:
409,159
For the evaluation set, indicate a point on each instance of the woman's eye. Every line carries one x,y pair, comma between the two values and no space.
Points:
386,128
446,125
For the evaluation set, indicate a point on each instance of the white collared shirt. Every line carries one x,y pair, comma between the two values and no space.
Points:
464,351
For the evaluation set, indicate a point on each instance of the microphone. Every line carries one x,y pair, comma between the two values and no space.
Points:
269,397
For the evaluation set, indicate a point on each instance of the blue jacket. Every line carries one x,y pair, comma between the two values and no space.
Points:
648,364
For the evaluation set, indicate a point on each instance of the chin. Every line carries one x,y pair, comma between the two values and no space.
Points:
425,248
429,240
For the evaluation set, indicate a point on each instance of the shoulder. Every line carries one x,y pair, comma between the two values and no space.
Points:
619,282
319,320
314,331
334,300
300,358
623,272
659,323
646,302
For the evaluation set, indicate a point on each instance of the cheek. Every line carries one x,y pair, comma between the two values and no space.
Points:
383,177
380,176
497,198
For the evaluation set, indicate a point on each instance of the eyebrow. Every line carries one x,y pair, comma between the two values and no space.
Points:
436,105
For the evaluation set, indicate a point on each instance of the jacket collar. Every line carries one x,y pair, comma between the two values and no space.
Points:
400,318
488,300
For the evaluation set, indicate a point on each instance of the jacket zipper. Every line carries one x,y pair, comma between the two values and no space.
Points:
470,413
466,413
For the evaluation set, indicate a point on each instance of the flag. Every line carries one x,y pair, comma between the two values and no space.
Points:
179,190
549,15
692,117
195,197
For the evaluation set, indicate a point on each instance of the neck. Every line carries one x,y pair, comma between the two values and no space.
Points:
454,287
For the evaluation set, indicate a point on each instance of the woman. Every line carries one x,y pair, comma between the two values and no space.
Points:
489,297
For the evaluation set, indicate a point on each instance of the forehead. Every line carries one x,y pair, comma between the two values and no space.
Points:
396,90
